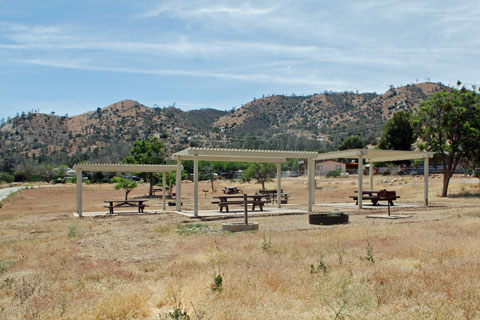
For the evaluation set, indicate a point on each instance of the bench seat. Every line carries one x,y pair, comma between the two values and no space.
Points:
254,203
376,199
140,207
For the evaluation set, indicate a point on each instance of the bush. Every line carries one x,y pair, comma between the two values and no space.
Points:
334,174
6,177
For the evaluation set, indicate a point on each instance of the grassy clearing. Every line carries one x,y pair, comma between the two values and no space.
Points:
162,267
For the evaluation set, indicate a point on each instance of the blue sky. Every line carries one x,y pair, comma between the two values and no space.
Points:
74,56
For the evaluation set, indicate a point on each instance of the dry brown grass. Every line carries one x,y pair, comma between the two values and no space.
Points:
53,266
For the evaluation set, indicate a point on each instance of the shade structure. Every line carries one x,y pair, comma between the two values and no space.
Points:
119,167
243,155
376,155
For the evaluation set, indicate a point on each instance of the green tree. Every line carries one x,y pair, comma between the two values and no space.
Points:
448,123
398,133
263,172
148,151
353,142
26,170
122,183
171,180
209,172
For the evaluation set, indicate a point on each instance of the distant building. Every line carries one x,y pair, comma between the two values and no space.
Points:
324,167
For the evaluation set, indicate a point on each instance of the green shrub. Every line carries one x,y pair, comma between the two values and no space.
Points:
334,174
6,177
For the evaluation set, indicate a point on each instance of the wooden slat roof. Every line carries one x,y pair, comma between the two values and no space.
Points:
121,167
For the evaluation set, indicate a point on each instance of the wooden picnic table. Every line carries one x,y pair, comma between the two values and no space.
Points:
377,195
272,193
140,204
253,199
231,190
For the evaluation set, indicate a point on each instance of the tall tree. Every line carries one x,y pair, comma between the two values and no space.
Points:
148,151
398,133
353,142
262,172
448,123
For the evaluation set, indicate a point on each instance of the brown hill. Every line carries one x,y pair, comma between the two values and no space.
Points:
325,116
107,134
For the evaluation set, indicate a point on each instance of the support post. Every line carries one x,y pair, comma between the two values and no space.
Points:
279,184
195,186
245,209
425,178
360,182
310,184
370,174
79,193
164,191
179,186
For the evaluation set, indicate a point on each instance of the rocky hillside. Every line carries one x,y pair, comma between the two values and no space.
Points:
325,116
300,122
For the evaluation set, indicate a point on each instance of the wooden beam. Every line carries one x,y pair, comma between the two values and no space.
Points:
79,193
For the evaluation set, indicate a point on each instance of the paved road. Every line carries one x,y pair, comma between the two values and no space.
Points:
5,192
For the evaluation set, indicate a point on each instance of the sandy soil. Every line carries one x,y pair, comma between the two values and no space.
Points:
59,255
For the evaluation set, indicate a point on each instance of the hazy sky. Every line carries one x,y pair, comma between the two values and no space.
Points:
74,56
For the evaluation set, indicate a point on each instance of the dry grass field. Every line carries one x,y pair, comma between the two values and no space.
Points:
167,266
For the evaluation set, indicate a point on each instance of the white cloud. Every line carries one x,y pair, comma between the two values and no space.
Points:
191,9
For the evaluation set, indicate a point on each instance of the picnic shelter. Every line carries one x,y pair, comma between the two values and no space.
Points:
102,167
376,155
242,155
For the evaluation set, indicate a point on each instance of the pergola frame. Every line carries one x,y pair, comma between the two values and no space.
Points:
79,168
375,155
241,155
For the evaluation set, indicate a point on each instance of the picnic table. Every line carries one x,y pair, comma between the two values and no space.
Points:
140,204
272,193
231,190
377,195
254,199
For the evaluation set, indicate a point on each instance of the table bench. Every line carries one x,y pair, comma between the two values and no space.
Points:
376,196
125,204
254,200
272,194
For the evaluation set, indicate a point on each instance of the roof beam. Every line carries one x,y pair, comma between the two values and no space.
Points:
350,154
232,159
124,167
246,153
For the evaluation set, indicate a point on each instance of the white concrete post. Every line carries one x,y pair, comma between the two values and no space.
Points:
164,190
195,186
179,186
370,174
360,182
310,184
79,193
425,181
279,184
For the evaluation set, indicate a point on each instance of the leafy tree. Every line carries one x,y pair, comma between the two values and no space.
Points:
47,171
122,183
26,170
353,142
262,172
209,172
171,180
148,151
398,133
448,123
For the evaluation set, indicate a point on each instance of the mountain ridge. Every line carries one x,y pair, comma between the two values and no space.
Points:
315,121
